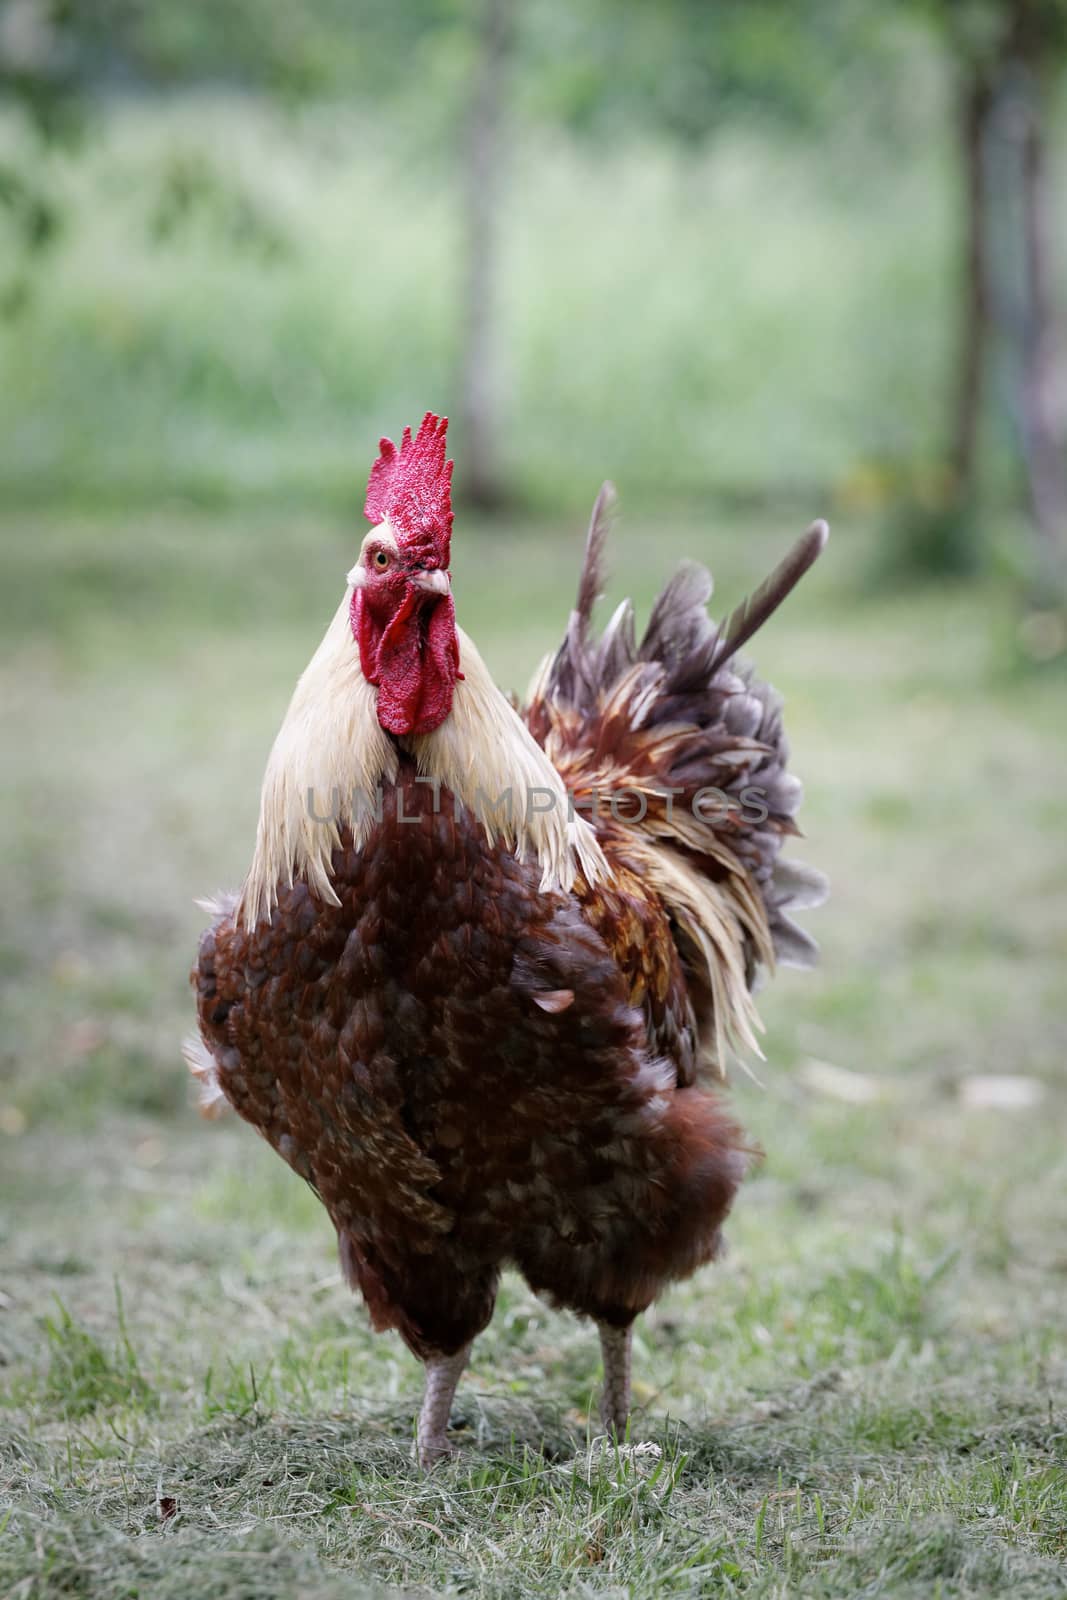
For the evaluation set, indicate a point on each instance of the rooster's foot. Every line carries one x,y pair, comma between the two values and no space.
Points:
442,1375
615,1400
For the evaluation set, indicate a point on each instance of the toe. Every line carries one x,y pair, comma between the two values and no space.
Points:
434,1449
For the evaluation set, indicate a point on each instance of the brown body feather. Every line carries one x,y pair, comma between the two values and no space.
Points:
392,1049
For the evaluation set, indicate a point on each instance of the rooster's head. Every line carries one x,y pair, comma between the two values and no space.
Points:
403,619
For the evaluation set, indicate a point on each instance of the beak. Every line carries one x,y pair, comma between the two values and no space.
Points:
433,579
357,577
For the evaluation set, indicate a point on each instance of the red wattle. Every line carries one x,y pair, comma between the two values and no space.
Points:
412,658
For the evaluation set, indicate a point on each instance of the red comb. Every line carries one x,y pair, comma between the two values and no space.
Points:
412,486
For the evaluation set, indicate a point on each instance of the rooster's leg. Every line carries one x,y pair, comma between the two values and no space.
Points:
615,1400
442,1375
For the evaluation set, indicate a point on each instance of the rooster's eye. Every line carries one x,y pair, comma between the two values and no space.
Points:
381,560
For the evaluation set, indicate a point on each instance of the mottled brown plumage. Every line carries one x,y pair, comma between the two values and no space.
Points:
472,1069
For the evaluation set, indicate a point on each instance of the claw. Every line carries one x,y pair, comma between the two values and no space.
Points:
433,1449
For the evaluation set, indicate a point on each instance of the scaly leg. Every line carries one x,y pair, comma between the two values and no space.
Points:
615,1401
442,1375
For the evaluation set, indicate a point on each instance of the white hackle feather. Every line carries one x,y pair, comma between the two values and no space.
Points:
484,750
715,917
332,748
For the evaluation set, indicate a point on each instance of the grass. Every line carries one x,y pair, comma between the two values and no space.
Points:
869,1397
82,1376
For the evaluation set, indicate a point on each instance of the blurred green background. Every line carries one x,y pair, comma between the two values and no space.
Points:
747,250
757,262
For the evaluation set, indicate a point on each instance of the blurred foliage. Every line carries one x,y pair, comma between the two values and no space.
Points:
689,68
317,49
976,29
194,193
682,324
610,68
762,193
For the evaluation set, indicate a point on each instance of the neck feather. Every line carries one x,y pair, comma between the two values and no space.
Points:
331,752
487,757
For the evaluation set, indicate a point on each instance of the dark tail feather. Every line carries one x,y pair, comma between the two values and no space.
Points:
591,583
572,673
747,618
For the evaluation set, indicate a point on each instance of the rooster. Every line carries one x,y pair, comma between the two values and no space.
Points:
486,959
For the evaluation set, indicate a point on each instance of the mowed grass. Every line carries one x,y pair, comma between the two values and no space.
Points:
869,1396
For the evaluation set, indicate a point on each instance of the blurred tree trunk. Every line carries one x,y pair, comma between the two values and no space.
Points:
976,108
1042,381
1003,140
480,375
